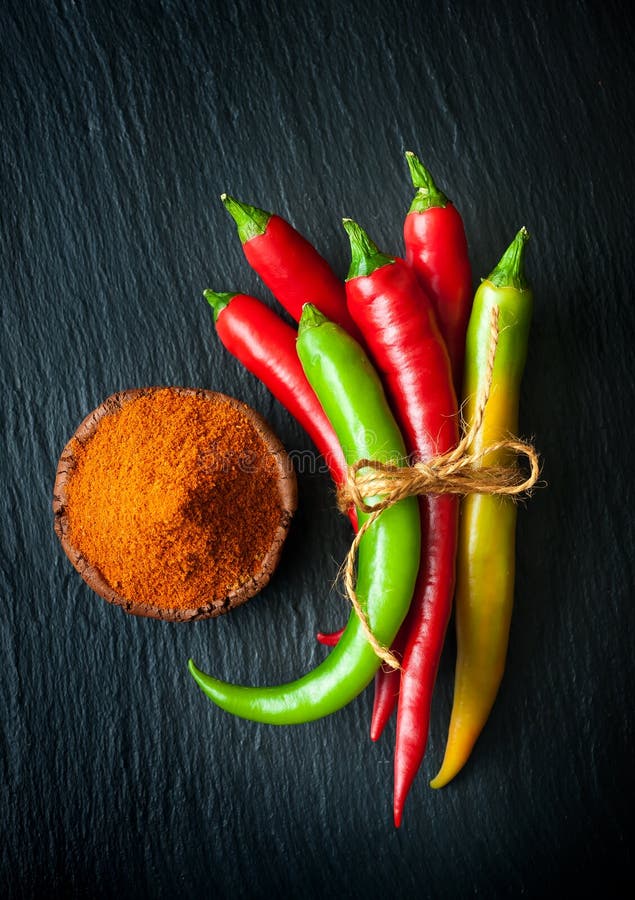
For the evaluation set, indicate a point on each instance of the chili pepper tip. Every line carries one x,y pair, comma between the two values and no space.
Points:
453,761
192,667
510,269
218,300
365,254
250,221
428,194
205,682
311,318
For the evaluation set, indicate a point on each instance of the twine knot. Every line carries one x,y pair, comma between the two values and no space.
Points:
373,486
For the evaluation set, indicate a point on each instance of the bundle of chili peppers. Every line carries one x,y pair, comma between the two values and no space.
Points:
378,369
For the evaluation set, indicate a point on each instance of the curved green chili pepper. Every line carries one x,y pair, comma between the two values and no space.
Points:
388,560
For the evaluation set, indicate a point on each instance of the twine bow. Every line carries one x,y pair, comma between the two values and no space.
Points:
458,471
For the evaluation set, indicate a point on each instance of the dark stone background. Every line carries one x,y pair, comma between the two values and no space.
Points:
121,123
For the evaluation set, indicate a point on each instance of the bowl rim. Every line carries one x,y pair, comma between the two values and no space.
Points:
287,486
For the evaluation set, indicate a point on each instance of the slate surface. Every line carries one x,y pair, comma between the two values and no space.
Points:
121,124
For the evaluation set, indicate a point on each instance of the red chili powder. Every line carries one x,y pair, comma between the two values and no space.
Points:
174,499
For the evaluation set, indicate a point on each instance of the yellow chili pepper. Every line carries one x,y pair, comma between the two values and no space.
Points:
487,529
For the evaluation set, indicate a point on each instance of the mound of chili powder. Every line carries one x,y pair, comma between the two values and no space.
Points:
174,499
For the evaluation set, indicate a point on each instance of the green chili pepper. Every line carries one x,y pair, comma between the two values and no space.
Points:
485,555
353,399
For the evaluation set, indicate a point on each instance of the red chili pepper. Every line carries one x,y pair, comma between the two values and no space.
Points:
329,639
436,247
265,345
399,326
289,265
387,681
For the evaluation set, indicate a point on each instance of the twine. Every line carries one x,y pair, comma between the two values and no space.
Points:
458,471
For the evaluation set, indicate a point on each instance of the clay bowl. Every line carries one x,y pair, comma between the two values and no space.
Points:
286,485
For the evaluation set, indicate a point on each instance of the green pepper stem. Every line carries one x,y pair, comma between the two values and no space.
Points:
510,271
428,194
249,220
218,301
365,254
311,317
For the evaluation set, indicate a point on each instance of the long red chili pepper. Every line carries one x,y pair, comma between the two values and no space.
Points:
399,326
436,247
289,265
265,345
